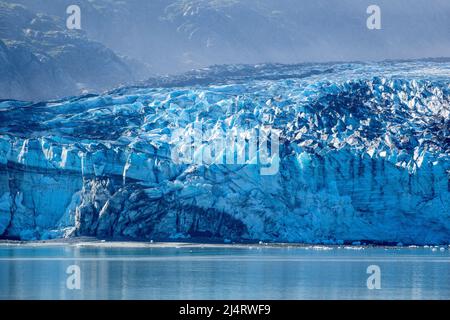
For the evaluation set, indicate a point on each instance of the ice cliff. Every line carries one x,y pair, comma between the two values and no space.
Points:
363,156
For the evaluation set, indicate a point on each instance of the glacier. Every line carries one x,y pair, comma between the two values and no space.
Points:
364,156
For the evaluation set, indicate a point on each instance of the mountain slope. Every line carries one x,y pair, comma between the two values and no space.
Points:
178,35
40,59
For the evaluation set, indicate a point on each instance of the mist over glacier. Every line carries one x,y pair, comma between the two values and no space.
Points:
124,42
364,156
174,36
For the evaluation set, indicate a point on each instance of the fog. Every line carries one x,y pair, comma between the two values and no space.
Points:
176,35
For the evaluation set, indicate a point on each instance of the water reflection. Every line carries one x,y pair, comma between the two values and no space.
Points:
222,273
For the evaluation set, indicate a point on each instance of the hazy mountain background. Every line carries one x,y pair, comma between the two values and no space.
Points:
41,59
124,41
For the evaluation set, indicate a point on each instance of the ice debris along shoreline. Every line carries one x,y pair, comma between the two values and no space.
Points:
87,242
364,156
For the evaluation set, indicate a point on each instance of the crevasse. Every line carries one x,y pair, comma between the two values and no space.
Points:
364,156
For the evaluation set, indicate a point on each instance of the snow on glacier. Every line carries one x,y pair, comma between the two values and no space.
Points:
364,156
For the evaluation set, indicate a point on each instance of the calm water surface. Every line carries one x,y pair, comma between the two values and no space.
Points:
223,273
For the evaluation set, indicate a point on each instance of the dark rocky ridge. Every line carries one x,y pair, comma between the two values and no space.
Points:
40,59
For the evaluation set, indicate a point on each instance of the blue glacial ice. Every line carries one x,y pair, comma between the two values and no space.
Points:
363,156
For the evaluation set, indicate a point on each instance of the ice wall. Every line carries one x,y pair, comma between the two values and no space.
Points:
364,156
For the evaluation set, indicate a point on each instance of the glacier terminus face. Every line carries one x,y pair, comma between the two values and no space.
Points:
352,152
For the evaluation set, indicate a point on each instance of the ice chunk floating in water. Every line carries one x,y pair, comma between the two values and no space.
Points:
363,156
